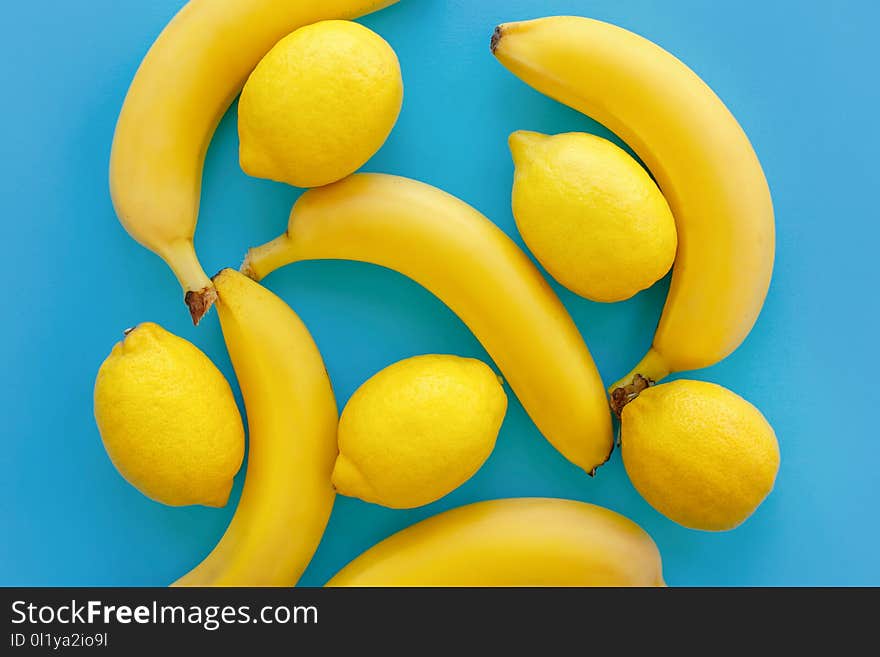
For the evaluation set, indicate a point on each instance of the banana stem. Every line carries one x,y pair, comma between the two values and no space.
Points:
651,368
200,294
623,395
262,260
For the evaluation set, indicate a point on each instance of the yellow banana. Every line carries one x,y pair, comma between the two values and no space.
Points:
184,85
292,420
701,159
474,268
512,542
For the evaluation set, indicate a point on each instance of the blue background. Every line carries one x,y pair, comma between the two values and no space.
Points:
800,77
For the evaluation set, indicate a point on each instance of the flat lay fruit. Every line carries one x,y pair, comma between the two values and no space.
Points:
185,83
168,418
418,429
287,495
699,155
320,95
698,453
480,273
512,542
319,104
590,214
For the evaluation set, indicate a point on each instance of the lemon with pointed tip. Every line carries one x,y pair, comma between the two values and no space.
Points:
698,453
319,104
418,429
168,419
590,214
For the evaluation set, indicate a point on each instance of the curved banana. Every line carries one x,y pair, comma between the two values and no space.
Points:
701,159
185,83
474,268
292,420
512,542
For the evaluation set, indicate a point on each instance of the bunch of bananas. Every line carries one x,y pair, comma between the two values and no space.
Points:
697,152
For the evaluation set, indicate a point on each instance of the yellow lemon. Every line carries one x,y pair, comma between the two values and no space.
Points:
418,429
319,104
168,419
590,214
698,453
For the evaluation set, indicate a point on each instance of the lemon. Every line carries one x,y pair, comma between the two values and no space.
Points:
319,104
418,429
590,214
168,419
698,453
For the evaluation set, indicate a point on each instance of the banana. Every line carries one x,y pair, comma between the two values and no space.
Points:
474,268
512,542
185,83
701,159
292,420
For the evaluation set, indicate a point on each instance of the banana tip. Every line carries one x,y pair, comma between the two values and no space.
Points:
496,37
248,269
199,302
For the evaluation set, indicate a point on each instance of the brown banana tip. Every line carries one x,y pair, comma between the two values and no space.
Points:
496,37
592,473
623,395
199,302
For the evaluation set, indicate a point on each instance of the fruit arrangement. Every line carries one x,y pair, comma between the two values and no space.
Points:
319,95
